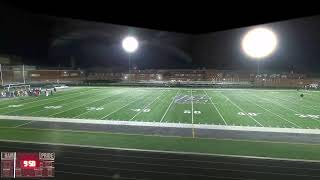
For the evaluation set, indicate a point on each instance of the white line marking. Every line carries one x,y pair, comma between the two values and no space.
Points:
297,103
147,105
79,99
29,107
37,101
122,107
85,103
24,124
284,107
101,106
162,151
274,113
242,110
165,113
160,158
216,108
164,136
162,124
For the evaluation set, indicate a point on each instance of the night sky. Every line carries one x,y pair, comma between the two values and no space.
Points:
48,41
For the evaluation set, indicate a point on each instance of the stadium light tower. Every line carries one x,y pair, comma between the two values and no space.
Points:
130,45
259,43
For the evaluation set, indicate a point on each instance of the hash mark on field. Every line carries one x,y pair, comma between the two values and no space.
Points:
241,109
165,113
216,108
274,113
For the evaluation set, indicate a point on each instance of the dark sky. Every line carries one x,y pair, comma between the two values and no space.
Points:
48,41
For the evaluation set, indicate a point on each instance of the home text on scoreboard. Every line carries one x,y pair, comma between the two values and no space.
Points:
27,164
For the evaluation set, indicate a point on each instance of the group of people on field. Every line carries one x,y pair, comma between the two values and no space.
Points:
13,93
26,92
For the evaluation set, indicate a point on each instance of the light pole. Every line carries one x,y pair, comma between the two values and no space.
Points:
130,45
129,63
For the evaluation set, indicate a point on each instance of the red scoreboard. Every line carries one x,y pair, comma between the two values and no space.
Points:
25,164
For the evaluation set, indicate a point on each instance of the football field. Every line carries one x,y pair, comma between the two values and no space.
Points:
231,107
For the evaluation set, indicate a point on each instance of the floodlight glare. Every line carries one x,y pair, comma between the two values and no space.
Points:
259,42
130,44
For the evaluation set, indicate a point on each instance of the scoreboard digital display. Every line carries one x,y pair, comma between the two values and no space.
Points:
26,164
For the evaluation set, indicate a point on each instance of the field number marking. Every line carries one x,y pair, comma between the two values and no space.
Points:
143,110
94,108
53,107
248,114
308,116
189,112
14,106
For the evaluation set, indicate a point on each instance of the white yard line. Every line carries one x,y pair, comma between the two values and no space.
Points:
147,105
85,103
241,109
274,113
44,103
121,108
24,124
216,108
165,113
158,124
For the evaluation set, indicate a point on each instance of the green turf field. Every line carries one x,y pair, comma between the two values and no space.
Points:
149,142
234,107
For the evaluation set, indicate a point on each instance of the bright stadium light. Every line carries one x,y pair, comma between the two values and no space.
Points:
259,42
130,44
